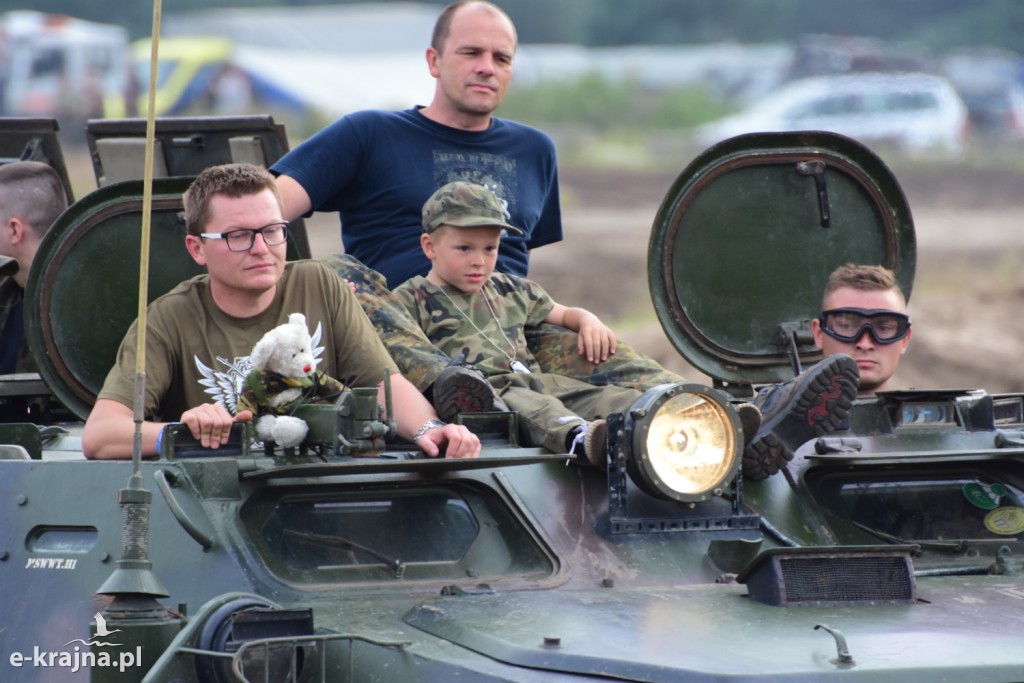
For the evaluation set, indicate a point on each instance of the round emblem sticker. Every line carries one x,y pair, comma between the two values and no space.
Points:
1005,521
984,496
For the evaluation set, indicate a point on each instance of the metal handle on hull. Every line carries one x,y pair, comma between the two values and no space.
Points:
165,481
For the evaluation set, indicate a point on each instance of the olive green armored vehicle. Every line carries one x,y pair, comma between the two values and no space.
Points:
890,551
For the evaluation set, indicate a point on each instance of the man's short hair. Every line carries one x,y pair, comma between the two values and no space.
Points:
33,192
443,25
862,278
230,180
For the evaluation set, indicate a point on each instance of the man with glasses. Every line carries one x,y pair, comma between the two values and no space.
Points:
200,334
863,331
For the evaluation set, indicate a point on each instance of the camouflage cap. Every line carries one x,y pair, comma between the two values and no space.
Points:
465,205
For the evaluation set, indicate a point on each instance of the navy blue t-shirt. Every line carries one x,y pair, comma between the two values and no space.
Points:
377,168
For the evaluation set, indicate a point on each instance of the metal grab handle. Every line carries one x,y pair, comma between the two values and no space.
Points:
816,169
164,482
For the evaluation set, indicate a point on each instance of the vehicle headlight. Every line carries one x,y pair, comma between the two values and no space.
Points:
686,442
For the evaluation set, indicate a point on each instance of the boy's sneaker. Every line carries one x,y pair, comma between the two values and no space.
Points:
595,443
590,443
462,388
815,402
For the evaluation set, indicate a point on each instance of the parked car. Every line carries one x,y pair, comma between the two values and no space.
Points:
913,111
996,111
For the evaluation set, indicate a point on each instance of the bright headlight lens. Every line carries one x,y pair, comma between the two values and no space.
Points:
685,443
690,444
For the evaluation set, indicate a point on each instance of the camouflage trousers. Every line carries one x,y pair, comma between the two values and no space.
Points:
553,347
546,404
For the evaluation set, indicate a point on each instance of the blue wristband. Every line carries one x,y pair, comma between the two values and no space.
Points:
160,435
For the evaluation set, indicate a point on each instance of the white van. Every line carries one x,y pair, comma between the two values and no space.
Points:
914,111
55,65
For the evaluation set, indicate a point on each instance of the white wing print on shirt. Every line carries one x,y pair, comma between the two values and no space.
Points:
224,386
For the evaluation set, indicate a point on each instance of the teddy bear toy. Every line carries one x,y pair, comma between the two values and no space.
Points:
283,377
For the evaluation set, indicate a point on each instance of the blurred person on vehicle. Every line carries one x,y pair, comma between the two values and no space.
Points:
236,231
31,198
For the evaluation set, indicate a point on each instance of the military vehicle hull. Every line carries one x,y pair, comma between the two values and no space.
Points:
581,603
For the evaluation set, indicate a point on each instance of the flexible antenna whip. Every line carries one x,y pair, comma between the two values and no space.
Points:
133,576
147,205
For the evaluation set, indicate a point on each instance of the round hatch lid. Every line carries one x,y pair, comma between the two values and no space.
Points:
82,291
746,238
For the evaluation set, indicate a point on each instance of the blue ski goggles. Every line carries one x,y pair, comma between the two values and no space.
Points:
849,324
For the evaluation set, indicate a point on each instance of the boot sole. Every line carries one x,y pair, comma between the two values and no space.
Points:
463,394
818,407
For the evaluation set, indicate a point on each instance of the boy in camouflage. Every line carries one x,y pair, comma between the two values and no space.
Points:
466,309
423,363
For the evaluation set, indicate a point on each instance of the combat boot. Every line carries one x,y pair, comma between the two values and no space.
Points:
462,388
815,402
750,420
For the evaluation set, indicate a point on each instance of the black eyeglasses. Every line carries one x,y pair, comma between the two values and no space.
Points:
242,240
849,324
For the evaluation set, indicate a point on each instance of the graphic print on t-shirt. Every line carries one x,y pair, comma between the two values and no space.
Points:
496,173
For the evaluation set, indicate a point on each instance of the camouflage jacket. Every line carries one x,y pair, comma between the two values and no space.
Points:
489,326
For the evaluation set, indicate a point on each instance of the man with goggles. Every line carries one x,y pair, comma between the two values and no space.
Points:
864,316
863,331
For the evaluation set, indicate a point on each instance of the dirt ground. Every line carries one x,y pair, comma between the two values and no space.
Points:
966,303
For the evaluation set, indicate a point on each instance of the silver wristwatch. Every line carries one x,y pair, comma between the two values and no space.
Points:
427,426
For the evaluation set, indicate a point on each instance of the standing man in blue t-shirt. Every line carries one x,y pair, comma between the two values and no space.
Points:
377,168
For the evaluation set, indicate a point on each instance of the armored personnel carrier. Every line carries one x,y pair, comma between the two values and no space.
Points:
887,552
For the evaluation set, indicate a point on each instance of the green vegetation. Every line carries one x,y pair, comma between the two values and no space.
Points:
604,122
604,105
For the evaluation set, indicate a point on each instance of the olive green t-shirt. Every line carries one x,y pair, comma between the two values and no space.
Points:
196,353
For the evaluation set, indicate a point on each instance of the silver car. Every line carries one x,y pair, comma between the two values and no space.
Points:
912,111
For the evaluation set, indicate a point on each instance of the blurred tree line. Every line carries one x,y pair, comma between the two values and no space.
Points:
934,24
